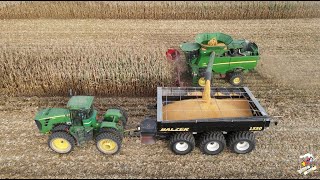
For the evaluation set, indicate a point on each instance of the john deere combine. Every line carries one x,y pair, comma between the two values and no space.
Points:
233,57
78,124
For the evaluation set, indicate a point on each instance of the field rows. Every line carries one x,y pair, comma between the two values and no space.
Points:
127,58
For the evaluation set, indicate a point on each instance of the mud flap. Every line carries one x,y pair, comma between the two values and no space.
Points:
145,139
148,130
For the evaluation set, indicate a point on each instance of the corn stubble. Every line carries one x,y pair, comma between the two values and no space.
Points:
96,70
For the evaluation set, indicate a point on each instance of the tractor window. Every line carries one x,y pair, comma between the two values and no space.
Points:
77,117
90,112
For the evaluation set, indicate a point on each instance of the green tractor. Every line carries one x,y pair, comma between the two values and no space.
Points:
78,123
233,57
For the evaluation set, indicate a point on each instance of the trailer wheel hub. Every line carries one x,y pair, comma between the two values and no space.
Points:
182,146
243,146
213,146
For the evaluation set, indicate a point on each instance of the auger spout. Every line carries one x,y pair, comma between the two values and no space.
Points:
206,96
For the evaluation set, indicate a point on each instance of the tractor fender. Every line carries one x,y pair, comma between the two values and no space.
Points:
105,124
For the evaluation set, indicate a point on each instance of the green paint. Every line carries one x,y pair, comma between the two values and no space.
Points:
236,55
81,116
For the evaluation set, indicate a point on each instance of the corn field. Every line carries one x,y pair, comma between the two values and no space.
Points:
95,70
160,10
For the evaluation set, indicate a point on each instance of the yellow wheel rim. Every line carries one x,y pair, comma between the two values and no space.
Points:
108,146
202,82
60,145
236,80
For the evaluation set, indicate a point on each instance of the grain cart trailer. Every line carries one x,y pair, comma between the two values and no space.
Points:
214,117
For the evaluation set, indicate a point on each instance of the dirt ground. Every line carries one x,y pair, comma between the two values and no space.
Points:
25,154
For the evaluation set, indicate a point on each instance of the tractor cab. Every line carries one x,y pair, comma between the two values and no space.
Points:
81,110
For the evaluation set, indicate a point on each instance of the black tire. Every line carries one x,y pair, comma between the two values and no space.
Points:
124,113
61,127
235,79
242,142
112,131
212,143
182,143
106,147
65,137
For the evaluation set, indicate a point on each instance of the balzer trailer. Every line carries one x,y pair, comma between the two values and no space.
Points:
215,117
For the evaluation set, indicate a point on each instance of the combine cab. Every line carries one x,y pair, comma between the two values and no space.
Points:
233,57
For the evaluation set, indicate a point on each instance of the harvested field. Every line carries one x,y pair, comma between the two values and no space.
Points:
122,62
26,154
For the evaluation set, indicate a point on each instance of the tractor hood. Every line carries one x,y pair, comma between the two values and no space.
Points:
50,113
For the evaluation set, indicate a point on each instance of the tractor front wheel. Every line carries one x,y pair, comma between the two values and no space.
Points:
108,143
61,127
61,142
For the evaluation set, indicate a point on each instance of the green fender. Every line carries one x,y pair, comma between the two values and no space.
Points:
111,125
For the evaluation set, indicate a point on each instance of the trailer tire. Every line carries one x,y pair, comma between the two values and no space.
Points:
235,78
212,143
242,142
182,143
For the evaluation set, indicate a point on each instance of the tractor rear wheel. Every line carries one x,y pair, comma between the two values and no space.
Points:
235,79
241,142
112,131
212,143
182,143
61,142
108,143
